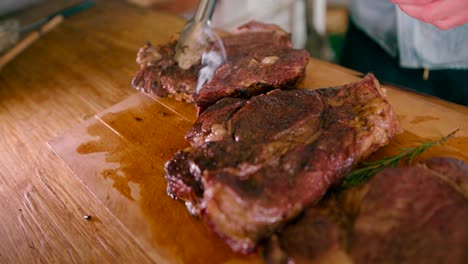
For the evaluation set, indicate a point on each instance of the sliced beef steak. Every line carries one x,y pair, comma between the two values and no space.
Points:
160,74
259,59
315,237
415,214
255,164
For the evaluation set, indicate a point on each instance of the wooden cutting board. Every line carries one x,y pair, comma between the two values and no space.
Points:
119,155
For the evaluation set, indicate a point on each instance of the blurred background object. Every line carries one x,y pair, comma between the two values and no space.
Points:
317,25
337,19
317,42
34,13
9,6
9,33
29,39
23,21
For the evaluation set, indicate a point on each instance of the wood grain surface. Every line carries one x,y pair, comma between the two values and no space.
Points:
64,85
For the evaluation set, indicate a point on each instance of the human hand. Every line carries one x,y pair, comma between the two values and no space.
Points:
444,14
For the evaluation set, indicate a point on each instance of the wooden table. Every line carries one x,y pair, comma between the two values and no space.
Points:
79,69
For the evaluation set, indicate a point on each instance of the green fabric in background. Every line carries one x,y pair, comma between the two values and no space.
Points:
336,44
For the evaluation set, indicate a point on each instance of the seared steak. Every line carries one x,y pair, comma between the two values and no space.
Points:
416,214
255,164
160,74
315,237
259,59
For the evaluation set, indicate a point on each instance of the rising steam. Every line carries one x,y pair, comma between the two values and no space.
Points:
211,59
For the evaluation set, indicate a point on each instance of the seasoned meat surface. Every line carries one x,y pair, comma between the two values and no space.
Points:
314,237
414,214
256,163
259,59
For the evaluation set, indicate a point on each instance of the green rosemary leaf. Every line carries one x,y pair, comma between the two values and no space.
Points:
368,169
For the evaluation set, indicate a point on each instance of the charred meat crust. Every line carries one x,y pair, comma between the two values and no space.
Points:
414,214
259,59
261,161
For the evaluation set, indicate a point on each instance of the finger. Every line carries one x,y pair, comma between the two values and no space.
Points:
453,21
413,2
443,9
436,10
413,11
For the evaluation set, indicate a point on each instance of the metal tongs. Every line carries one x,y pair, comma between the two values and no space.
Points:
195,36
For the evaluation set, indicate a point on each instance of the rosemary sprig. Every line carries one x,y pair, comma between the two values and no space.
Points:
368,169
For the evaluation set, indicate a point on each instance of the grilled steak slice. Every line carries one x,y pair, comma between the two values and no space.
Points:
160,74
259,59
314,237
415,214
259,162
